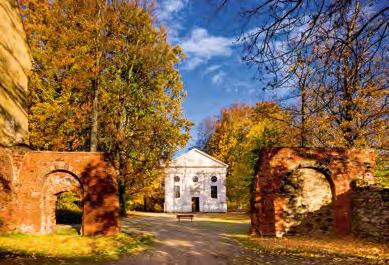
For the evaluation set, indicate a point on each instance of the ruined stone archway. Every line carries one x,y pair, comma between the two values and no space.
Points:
36,177
56,182
275,210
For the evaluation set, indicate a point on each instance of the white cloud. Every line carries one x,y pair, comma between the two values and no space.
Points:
169,8
200,47
218,78
211,69
169,13
237,86
191,64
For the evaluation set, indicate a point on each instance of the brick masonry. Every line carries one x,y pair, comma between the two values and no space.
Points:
306,190
30,181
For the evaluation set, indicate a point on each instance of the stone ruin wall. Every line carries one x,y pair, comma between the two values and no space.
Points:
370,212
306,190
30,181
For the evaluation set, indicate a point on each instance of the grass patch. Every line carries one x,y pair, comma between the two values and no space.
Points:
346,247
68,245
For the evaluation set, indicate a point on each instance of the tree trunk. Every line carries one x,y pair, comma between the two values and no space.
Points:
122,198
144,203
303,137
348,115
95,125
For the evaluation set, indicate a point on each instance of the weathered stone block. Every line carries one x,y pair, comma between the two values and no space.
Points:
370,216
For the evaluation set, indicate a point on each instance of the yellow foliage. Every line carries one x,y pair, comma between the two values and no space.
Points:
236,137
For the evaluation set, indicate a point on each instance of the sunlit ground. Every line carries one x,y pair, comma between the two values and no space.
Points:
67,243
236,226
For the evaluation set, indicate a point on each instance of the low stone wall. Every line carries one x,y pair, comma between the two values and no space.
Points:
370,217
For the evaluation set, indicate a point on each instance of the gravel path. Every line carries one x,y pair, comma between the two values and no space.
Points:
205,242
184,242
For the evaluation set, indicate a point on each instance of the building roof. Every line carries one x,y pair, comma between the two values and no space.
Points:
197,158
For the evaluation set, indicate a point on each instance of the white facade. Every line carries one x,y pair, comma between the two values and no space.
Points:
195,181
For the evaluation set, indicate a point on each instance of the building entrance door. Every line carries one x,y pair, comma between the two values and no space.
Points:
195,204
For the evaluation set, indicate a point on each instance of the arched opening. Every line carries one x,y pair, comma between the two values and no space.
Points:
58,186
310,195
68,211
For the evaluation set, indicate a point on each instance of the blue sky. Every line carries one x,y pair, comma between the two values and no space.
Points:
213,74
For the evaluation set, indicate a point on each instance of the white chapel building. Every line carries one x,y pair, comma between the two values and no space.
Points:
195,182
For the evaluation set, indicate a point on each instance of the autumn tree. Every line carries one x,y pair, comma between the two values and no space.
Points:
105,79
330,54
236,136
60,83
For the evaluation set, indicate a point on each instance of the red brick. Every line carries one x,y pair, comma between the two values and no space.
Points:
35,178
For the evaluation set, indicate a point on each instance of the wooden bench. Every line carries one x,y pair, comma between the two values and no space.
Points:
185,216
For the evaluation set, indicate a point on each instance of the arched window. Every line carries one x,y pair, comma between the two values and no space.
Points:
195,179
176,178
213,178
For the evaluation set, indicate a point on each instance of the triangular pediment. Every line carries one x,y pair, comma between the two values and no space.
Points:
197,158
